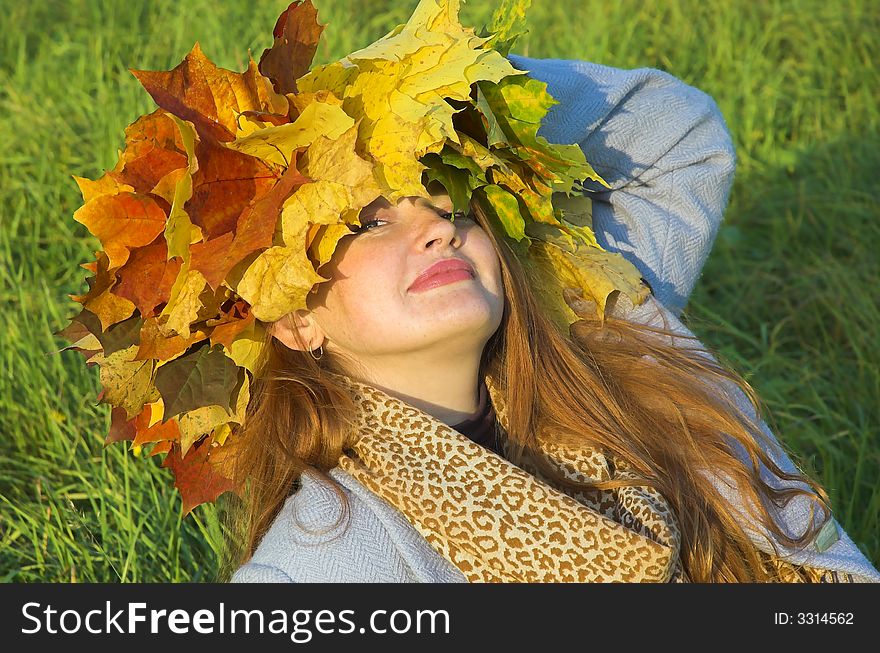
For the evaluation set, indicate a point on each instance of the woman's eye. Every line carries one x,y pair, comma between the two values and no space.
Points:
364,227
459,215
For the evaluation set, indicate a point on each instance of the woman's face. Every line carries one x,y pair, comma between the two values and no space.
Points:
370,310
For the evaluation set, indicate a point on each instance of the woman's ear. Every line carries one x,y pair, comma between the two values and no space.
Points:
297,330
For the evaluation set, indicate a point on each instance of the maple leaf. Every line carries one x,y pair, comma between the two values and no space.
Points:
485,158
457,182
82,332
296,33
186,298
246,348
199,422
342,183
538,206
177,189
148,276
322,241
121,427
322,117
506,208
400,83
279,280
121,335
213,420
149,426
163,446
153,148
254,230
577,210
517,105
507,24
195,476
110,183
127,382
100,301
156,343
595,273
231,323
201,378
121,222
225,186
211,97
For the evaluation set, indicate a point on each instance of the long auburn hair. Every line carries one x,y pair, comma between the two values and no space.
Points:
615,385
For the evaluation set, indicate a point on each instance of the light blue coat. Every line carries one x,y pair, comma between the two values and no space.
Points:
666,152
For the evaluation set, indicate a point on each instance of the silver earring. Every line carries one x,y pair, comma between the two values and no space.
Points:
318,357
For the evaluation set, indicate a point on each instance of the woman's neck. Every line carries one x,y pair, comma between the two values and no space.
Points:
449,398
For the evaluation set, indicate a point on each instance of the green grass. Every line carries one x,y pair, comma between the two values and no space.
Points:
788,295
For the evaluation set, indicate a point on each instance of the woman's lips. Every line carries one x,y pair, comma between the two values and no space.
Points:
441,279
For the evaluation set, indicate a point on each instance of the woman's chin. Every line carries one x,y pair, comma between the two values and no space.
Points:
451,301
462,317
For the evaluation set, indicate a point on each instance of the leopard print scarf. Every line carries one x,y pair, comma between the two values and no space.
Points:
498,522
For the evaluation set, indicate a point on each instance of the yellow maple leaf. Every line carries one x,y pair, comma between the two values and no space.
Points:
325,242
180,232
277,143
157,410
127,382
183,307
591,271
247,346
399,84
279,280
106,185
195,423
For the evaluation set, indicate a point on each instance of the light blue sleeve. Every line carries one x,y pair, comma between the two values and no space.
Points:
665,150
252,572
312,541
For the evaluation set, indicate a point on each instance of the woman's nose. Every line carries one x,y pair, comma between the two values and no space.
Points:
440,229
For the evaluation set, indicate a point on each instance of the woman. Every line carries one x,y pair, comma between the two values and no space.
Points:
531,412
472,350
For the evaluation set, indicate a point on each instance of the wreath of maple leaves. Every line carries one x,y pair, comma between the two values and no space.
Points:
229,197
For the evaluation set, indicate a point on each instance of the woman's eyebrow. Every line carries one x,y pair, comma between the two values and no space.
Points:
428,204
372,208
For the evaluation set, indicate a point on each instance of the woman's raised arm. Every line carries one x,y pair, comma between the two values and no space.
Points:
664,149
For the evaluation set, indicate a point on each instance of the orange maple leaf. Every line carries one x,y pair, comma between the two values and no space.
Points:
100,299
225,185
146,279
209,96
195,476
155,433
237,319
254,230
121,222
156,344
